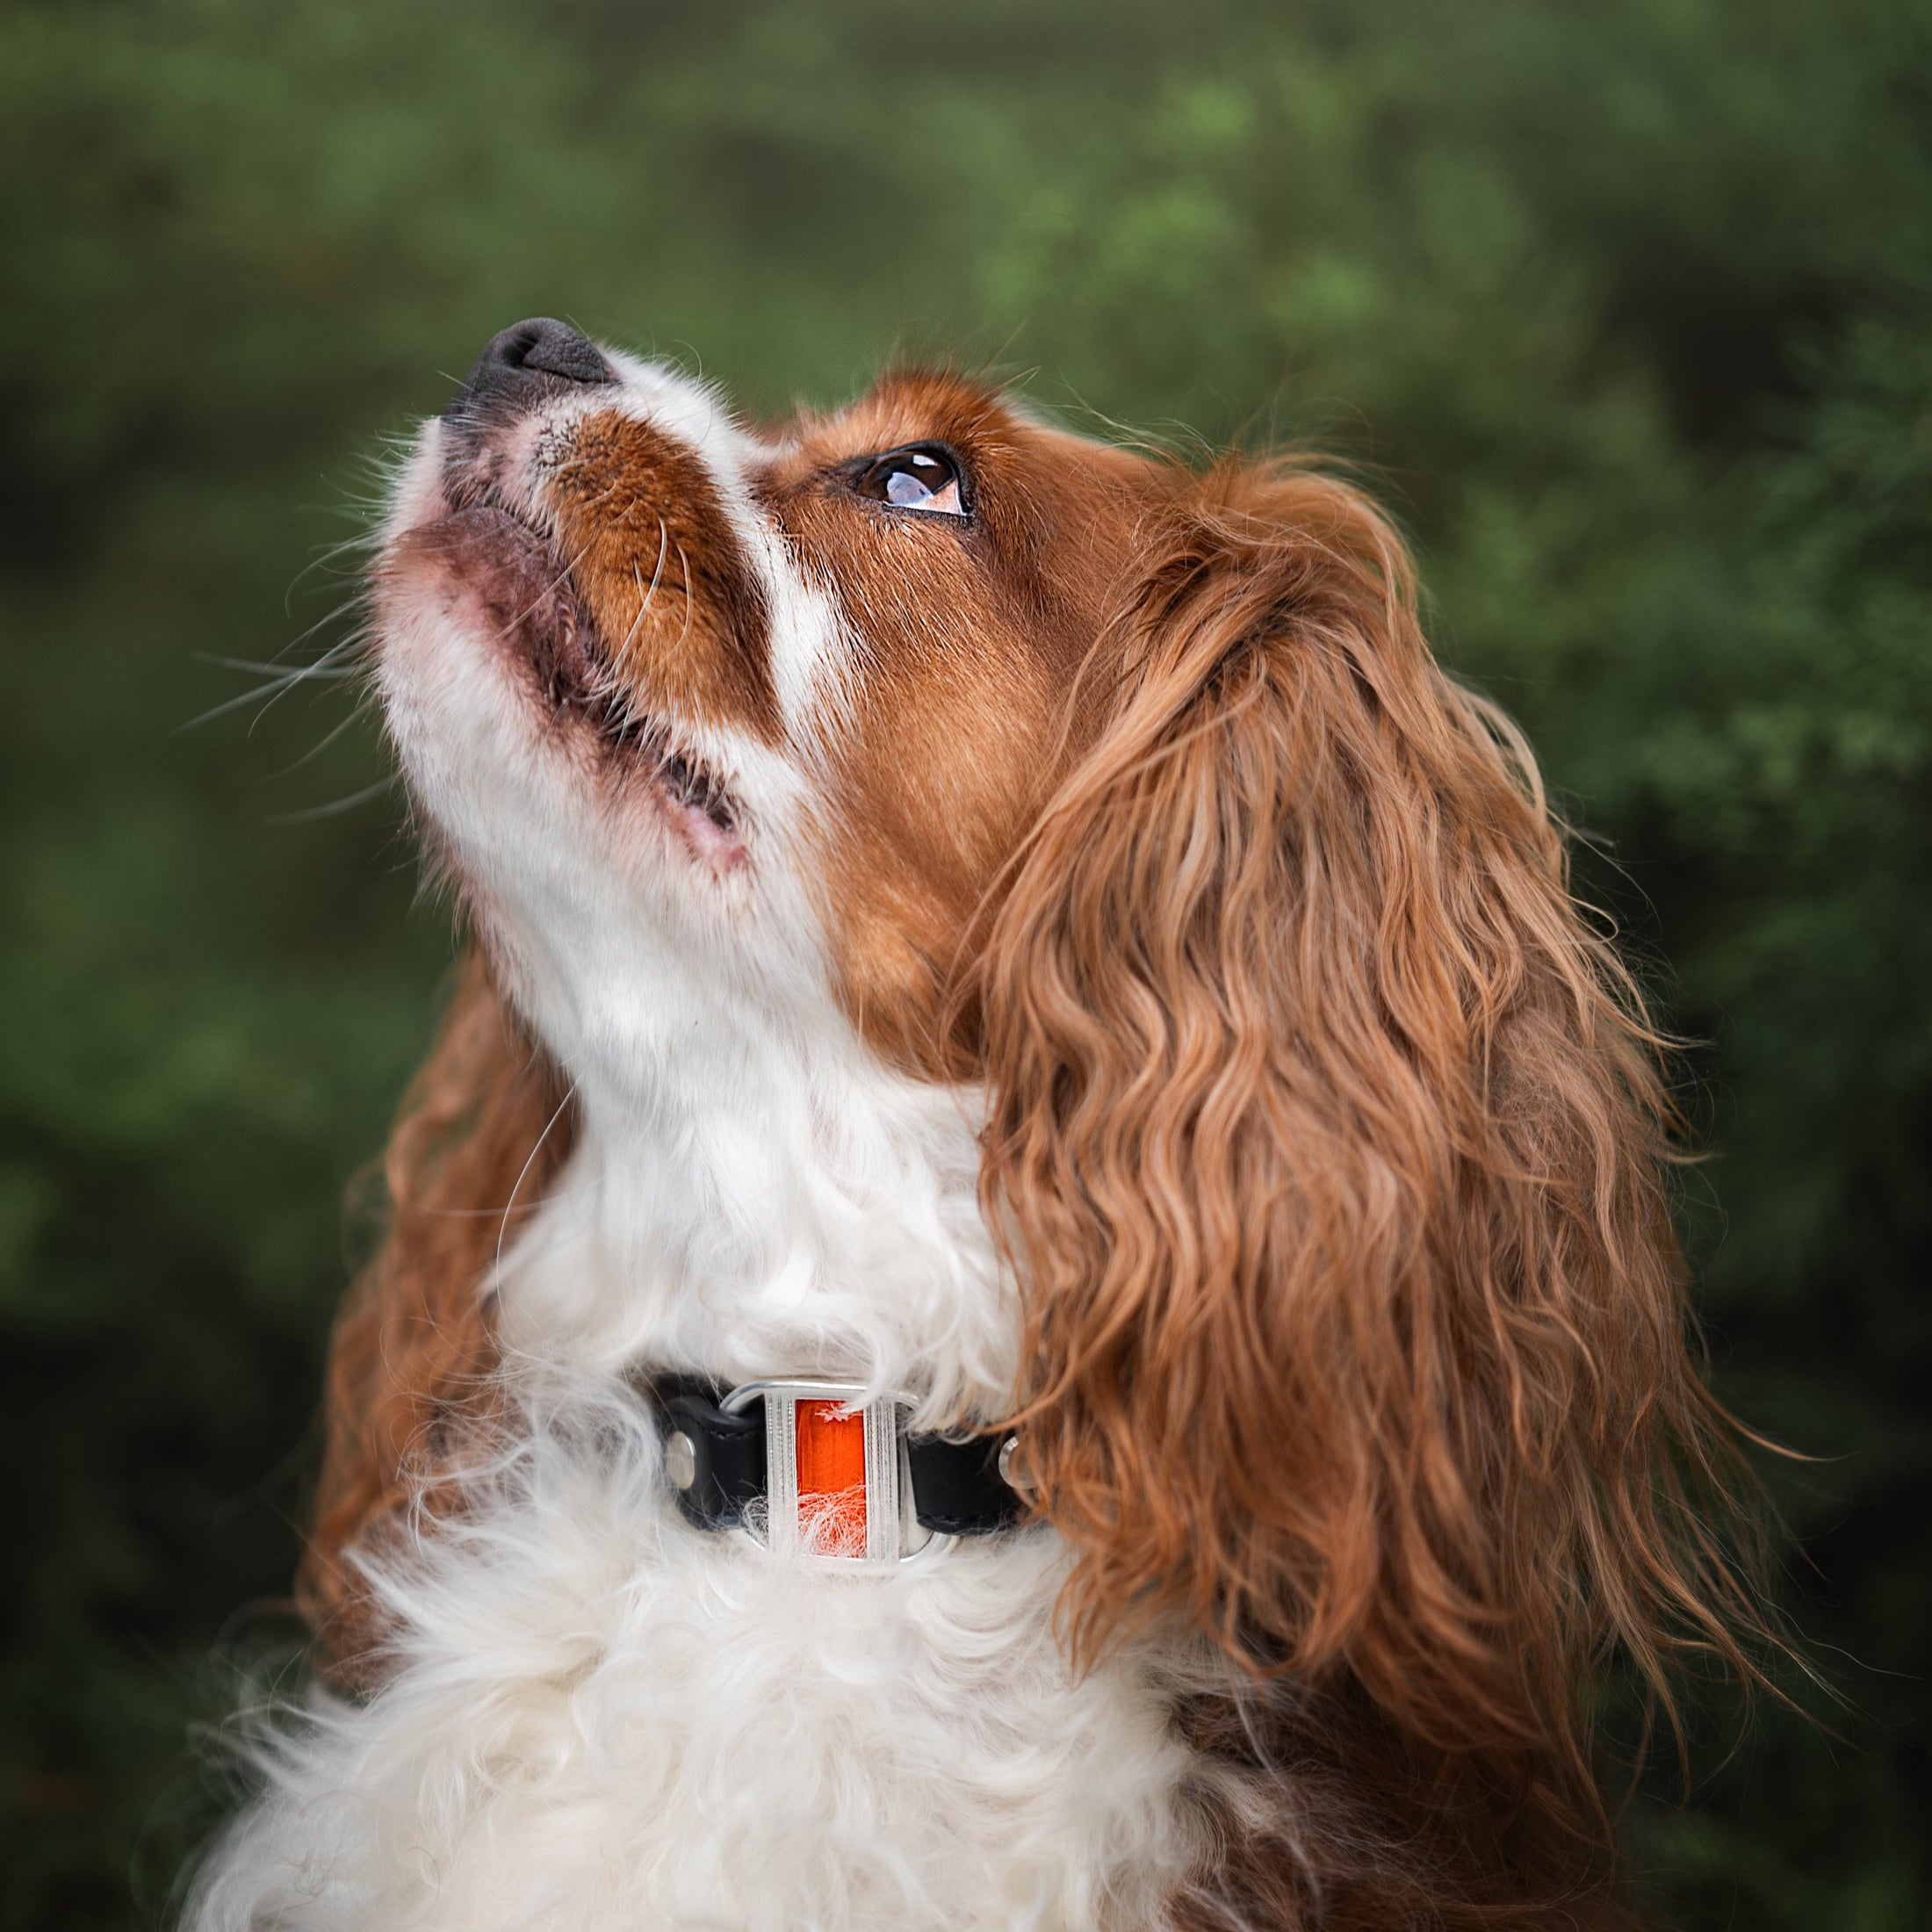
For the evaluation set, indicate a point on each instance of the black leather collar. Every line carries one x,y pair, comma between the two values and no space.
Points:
957,1488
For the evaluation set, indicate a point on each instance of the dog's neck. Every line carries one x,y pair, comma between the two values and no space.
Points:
752,1193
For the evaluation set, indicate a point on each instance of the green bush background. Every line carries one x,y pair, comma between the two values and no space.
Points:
1626,307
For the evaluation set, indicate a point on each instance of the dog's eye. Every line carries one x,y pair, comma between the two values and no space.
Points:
923,476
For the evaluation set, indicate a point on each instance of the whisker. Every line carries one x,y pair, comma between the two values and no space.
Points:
365,539
664,538
263,694
335,807
299,673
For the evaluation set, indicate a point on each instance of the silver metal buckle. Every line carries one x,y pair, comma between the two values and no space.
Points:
893,1532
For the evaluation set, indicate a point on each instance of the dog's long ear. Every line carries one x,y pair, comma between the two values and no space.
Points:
480,1133
1327,1137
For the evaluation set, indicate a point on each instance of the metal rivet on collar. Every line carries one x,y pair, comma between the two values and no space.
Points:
680,1459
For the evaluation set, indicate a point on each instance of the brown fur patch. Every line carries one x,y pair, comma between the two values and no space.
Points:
653,553
1324,1816
481,1131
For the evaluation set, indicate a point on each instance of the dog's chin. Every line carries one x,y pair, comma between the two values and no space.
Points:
498,574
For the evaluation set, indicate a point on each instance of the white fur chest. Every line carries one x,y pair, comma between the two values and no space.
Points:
602,1717
605,1719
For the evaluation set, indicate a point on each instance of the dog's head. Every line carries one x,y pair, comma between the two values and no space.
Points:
1125,799
783,710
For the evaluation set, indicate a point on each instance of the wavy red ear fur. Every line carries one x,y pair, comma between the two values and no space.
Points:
480,1133
1328,1138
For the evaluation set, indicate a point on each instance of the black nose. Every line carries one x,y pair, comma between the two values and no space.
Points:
527,361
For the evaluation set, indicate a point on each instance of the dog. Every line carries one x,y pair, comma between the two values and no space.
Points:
1031,1284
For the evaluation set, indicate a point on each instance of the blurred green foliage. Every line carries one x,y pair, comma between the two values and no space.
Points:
1627,308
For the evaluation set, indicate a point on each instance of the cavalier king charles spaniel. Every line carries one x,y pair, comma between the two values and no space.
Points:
1031,1284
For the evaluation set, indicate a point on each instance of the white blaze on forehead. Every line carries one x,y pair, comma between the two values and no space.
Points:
813,663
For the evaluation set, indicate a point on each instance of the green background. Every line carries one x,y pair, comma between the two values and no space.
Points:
1624,306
